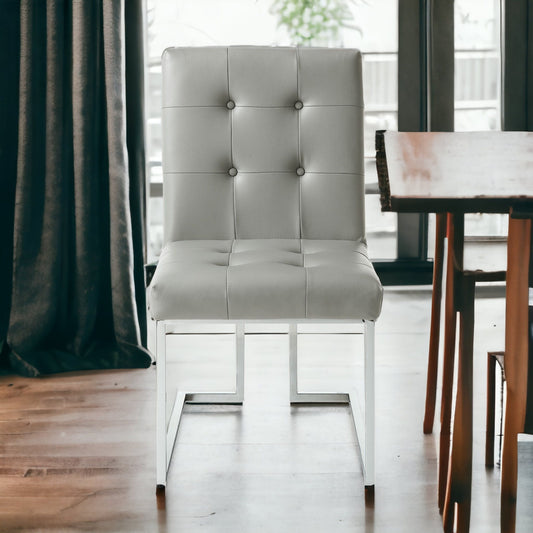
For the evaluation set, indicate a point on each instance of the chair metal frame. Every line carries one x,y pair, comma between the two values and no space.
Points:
363,418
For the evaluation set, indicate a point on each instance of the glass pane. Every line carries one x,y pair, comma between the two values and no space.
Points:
344,23
477,86
377,37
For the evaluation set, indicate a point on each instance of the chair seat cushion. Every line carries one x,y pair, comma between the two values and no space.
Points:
265,279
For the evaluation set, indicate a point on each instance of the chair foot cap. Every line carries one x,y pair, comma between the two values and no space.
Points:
160,490
369,495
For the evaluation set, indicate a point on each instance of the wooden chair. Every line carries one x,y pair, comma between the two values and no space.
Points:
434,335
518,354
445,228
441,223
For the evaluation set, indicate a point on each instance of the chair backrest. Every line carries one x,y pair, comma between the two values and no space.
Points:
262,142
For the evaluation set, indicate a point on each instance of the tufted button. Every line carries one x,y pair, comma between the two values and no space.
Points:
300,171
230,104
298,105
232,171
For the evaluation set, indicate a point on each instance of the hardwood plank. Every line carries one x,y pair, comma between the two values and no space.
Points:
88,464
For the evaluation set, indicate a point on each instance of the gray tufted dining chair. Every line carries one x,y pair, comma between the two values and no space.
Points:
263,211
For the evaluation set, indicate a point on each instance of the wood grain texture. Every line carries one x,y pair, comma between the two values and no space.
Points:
457,504
71,449
434,332
516,362
77,452
457,171
448,363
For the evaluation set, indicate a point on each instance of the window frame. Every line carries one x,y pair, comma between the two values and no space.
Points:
426,53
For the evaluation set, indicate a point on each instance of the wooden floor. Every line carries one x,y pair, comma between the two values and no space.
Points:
77,450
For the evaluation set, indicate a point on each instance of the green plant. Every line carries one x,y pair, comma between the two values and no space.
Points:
313,21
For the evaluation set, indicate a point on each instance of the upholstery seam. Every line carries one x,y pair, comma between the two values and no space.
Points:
298,97
196,106
268,172
227,71
227,273
232,164
259,106
196,172
306,277
227,293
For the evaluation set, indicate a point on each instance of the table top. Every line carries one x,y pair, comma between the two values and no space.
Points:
465,172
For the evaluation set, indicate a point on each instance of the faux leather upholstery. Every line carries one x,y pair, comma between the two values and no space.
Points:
263,186
265,278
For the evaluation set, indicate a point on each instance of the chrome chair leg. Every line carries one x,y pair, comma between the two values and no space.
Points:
167,433
364,419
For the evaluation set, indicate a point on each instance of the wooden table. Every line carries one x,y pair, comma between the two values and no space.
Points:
456,173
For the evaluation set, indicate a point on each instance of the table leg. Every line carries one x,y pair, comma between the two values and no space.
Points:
459,487
491,401
509,475
450,320
434,334
516,361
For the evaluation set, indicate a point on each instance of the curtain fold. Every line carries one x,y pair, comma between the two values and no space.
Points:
77,295
134,21
9,90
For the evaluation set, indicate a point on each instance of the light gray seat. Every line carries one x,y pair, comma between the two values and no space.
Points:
263,197
265,279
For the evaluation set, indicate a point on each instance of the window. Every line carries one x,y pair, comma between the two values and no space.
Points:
349,23
477,87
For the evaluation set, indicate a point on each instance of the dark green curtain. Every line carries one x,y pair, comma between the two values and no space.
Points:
9,59
72,153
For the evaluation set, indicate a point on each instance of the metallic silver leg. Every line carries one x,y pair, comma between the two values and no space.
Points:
306,397
226,398
370,404
364,421
166,437
293,362
161,393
